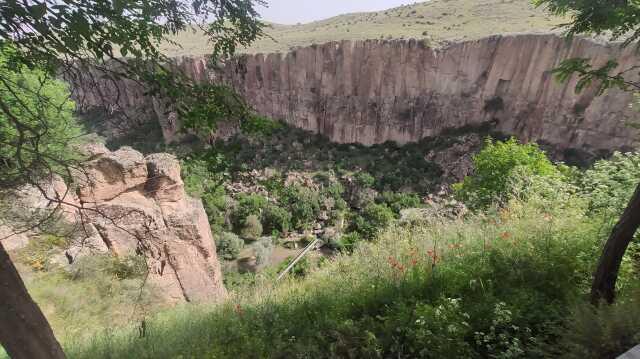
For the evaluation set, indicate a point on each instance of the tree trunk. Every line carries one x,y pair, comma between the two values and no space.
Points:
604,281
24,331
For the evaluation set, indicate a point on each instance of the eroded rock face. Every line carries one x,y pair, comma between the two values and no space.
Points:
374,91
138,204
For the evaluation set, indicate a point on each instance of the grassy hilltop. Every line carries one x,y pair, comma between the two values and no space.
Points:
437,21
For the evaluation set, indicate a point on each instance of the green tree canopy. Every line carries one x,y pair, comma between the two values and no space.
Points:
37,125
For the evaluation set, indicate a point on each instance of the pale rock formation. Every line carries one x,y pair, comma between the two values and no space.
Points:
374,91
139,205
12,240
110,174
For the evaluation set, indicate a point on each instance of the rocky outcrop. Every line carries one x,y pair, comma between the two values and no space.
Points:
126,204
138,205
375,91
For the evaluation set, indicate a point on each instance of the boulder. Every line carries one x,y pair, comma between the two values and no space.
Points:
164,183
110,174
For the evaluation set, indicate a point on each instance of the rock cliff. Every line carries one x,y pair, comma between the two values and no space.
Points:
138,204
375,91
127,204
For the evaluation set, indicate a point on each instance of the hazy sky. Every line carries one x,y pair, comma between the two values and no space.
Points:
294,11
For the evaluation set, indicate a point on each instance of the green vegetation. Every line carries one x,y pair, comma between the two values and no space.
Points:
608,183
435,21
495,168
252,228
47,129
374,217
96,292
493,285
508,281
292,182
229,245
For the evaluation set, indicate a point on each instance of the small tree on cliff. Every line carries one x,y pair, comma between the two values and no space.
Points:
48,38
620,20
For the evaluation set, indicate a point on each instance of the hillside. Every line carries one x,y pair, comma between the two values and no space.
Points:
437,21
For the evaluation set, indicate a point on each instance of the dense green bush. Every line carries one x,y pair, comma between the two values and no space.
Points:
373,218
495,166
609,184
299,270
303,203
248,205
275,218
399,201
204,176
346,242
229,245
252,228
364,180
603,332
41,141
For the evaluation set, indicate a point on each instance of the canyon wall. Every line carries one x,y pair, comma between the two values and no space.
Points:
375,91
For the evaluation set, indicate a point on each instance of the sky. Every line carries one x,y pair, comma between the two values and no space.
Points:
295,11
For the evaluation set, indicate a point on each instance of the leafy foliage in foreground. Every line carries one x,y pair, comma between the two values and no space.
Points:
37,126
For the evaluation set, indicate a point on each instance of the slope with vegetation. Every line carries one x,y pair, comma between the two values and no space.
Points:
510,280
437,21
507,280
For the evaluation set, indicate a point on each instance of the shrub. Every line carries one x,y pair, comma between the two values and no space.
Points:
399,201
276,218
263,250
229,245
604,332
248,205
299,270
252,228
494,168
259,126
609,184
364,180
303,204
348,241
373,218
203,176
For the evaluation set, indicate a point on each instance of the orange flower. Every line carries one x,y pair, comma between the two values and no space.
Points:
505,235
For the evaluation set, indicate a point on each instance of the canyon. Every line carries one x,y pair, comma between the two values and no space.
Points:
374,91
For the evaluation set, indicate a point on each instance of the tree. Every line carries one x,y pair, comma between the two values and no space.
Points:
44,39
620,20
494,168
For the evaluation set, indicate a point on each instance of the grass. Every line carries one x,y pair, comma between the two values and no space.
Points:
90,297
490,284
437,21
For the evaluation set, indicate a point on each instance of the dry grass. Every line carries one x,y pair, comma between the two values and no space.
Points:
438,21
